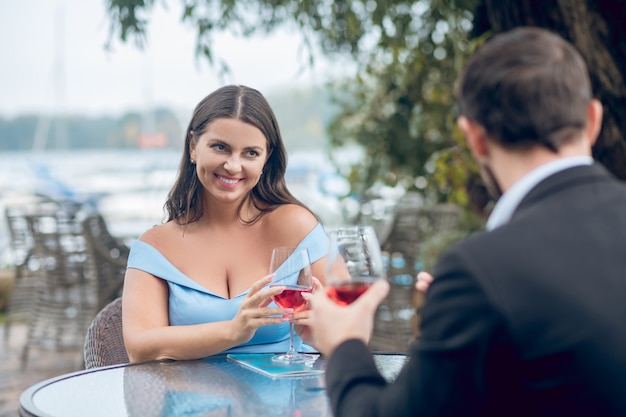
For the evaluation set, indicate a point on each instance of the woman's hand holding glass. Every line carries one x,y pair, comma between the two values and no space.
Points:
254,311
293,277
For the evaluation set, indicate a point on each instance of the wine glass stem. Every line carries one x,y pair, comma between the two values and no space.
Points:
291,351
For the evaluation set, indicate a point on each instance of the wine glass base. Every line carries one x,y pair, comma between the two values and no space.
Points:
294,358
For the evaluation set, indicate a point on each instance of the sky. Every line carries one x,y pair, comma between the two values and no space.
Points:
53,60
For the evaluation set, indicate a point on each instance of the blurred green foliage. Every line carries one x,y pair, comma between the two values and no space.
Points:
400,105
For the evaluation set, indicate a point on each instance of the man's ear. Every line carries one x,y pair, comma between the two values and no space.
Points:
594,120
475,135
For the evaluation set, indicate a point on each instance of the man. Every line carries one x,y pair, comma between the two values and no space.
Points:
529,317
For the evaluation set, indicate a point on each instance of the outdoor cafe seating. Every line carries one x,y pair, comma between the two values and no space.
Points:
71,267
406,243
79,269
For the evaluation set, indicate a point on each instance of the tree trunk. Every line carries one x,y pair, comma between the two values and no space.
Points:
596,29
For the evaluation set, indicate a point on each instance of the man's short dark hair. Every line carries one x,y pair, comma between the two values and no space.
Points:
526,86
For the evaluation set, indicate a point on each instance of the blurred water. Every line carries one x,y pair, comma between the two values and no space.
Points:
129,187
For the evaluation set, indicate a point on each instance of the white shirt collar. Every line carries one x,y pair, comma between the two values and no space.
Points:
506,205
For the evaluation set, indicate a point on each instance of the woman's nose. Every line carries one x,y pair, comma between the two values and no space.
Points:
232,164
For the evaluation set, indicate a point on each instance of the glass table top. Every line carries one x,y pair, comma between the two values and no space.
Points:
214,386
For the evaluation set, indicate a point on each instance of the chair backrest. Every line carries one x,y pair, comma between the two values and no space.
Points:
104,342
108,256
415,230
21,240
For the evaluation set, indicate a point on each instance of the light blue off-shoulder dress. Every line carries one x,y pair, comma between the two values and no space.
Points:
191,303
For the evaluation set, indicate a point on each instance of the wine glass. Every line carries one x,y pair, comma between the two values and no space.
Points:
293,270
354,263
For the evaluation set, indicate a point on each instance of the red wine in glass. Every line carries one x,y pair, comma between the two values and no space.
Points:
354,263
345,292
291,297
293,271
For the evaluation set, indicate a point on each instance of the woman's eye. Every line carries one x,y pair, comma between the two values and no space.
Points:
219,147
253,154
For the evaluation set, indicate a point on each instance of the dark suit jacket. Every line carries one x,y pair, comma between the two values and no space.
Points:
526,320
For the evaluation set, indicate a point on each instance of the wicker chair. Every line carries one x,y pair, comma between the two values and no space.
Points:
396,322
108,258
65,299
25,281
104,342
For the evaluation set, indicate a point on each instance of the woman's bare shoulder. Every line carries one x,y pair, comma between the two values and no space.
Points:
292,219
159,233
294,214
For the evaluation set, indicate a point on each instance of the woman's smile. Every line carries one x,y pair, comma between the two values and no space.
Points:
228,182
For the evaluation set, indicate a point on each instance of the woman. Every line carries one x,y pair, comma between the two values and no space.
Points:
192,286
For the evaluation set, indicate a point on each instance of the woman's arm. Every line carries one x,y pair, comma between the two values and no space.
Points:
148,335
